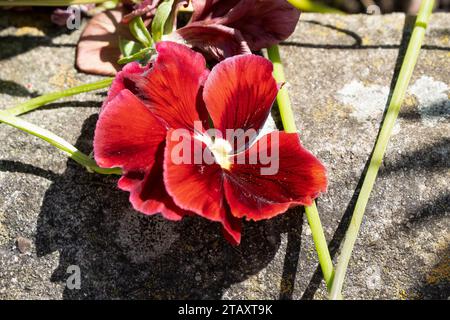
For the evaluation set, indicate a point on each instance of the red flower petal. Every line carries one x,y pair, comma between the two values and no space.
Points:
130,179
127,134
216,41
227,11
194,187
172,87
239,94
297,177
98,47
202,8
264,22
121,80
197,187
232,227
148,193
261,22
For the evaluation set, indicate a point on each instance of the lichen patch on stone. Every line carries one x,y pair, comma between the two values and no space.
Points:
434,104
368,102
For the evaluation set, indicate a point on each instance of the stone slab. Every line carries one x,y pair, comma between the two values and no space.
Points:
340,71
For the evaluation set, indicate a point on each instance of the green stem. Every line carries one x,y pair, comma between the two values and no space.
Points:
287,117
398,96
56,141
320,243
46,3
47,98
313,6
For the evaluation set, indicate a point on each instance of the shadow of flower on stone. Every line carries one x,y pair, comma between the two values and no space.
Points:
125,255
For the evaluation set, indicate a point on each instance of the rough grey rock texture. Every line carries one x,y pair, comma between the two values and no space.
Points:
340,71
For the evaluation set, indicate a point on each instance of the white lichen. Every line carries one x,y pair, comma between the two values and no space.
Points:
434,104
367,102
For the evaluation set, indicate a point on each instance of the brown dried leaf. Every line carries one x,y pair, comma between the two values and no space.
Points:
98,47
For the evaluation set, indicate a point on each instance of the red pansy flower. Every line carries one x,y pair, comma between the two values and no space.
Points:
155,112
223,28
218,28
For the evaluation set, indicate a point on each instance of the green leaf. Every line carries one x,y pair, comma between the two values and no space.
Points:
163,20
129,47
110,4
140,32
140,55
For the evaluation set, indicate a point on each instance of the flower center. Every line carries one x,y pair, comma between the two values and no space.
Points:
221,150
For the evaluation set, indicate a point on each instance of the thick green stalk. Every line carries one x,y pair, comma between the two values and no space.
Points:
46,3
313,6
398,96
47,98
287,117
320,242
56,141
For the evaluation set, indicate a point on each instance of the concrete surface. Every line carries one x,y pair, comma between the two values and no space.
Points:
53,214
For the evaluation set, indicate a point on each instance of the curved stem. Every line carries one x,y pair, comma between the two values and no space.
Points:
287,117
313,6
398,95
57,142
37,102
